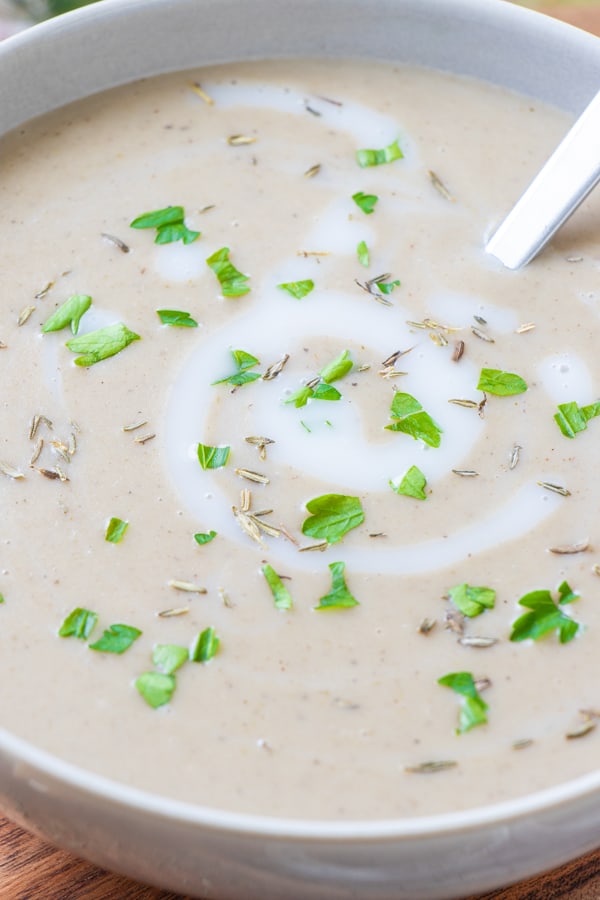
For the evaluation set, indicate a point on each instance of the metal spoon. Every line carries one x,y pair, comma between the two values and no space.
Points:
556,192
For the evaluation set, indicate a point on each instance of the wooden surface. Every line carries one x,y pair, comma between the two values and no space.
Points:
33,870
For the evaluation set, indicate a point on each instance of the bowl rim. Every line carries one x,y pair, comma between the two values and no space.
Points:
48,765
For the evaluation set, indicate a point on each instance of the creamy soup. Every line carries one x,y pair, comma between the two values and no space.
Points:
331,466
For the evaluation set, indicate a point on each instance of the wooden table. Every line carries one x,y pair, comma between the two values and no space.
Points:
33,870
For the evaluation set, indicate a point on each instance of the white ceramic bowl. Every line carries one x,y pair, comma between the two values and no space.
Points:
201,851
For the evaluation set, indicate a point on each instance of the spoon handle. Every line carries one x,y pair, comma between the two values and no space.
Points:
561,185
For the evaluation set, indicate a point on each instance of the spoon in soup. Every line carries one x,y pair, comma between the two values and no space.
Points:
562,184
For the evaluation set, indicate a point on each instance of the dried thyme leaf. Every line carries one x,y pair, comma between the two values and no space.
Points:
276,368
581,730
429,768
10,471
174,611
134,425
240,140
466,473
116,241
554,488
459,349
312,171
252,476
565,549
144,438
25,315
482,335
440,187
200,92
515,454
478,642
186,586
426,626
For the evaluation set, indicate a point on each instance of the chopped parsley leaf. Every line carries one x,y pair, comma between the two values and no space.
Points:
366,202
177,318
362,251
545,616
233,282
169,657
297,289
79,623
412,419
412,484
501,384
68,313
471,601
205,646
339,597
281,596
169,225
101,344
115,530
474,708
116,639
332,516
572,418
205,537
243,361
212,457
156,688
366,158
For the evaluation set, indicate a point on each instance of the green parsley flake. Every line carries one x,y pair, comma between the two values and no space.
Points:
205,537
79,624
470,600
474,708
116,639
281,596
233,282
115,530
333,516
572,418
388,154
337,368
69,313
412,484
169,225
205,646
386,287
501,384
243,361
156,688
101,344
1,598
177,318
362,251
339,597
169,657
412,419
366,202
297,289
212,457
546,616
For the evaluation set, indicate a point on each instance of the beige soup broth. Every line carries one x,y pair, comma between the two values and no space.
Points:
298,487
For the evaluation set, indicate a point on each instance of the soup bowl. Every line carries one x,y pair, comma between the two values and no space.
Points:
208,852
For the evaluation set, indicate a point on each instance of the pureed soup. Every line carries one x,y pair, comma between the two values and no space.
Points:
299,495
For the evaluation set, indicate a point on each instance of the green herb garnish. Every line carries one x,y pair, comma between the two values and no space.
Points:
337,368
101,344
412,419
281,596
472,601
156,688
169,657
572,418
233,282
501,384
177,318
412,484
385,286
212,457
545,616
388,154
169,225
205,646
115,530
243,361
205,537
79,623
297,289
333,516
339,597
366,202
116,639
1,598
362,251
473,709
68,313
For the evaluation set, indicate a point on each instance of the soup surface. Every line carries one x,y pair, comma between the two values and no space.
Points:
268,515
